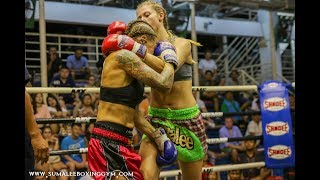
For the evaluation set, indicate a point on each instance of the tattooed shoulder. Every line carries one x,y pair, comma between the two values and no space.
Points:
126,57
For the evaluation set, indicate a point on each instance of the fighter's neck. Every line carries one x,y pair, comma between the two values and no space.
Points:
163,34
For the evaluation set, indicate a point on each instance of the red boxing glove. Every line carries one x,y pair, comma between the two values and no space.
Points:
116,27
115,42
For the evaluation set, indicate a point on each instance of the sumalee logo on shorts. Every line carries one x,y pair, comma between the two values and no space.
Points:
279,152
180,140
274,104
277,128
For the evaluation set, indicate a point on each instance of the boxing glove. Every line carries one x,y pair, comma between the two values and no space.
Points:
168,152
115,42
167,52
116,27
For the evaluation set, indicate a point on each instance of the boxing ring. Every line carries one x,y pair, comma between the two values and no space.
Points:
163,174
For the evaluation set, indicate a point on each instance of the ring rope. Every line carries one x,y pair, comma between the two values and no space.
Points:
93,119
217,168
66,90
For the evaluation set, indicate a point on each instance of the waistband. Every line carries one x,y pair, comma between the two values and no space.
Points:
112,131
179,114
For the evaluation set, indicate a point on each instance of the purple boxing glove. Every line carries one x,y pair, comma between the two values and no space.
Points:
168,152
167,52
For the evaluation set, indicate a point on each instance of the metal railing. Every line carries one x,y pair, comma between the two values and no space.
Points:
240,54
65,44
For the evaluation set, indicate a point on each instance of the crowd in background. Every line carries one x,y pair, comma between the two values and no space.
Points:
75,72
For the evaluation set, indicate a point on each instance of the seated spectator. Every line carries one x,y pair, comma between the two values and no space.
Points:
78,64
234,80
56,112
40,110
234,175
252,155
208,122
54,63
86,109
55,162
211,79
231,105
230,131
64,80
89,127
92,82
209,175
206,64
255,104
254,127
74,141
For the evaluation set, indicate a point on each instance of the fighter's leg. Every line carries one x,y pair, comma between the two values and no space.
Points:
191,170
148,152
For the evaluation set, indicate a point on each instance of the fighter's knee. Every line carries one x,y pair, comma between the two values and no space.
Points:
149,174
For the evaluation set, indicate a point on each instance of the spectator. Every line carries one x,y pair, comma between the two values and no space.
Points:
255,104
56,111
255,127
234,175
40,110
93,83
86,109
89,127
207,64
78,64
211,79
252,155
209,175
230,105
55,163
64,80
208,122
54,63
230,131
234,79
74,161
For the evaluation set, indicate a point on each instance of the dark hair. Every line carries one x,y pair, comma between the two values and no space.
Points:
250,136
78,49
234,70
58,107
64,67
76,124
82,98
34,104
46,127
208,71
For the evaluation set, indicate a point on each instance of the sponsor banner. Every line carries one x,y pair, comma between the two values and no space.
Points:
276,125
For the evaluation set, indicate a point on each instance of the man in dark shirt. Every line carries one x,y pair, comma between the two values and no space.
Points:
64,80
252,155
54,63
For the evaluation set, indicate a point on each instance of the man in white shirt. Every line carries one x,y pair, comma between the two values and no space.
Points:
255,127
207,64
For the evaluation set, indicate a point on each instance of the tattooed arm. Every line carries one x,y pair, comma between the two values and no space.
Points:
142,124
134,66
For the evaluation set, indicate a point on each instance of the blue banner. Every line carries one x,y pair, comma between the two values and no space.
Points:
276,125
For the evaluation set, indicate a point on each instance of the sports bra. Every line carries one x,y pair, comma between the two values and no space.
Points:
130,95
184,73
